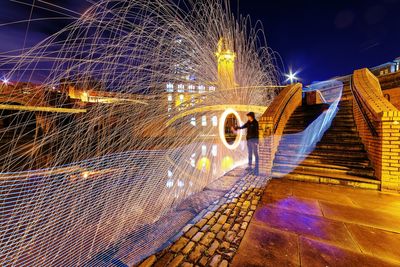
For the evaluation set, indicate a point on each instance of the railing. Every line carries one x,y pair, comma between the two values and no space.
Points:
363,109
288,100
378,125
273,122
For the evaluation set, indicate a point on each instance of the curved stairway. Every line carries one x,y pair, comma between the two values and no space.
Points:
339,158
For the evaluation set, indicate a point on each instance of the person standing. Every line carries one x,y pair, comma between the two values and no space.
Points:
252,138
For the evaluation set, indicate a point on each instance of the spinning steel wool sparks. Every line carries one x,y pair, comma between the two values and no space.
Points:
88,156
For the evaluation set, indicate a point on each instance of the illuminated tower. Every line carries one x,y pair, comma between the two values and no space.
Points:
226,66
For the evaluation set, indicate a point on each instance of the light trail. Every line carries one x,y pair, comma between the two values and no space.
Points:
103,175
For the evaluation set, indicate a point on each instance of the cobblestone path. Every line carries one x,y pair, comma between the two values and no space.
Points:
213,237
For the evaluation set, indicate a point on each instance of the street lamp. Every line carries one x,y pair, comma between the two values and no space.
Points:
291,77
5,81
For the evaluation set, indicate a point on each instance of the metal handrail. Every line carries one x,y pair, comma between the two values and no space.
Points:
282,111
363,112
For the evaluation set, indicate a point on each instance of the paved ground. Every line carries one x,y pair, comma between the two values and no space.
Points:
301,224
214,236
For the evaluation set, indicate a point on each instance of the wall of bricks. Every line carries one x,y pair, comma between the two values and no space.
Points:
278,113
383,147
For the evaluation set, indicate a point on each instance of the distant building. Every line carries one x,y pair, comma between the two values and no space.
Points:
386,68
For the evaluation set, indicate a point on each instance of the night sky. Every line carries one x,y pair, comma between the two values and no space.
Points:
321,38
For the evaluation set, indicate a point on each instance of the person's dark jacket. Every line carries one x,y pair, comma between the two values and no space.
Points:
252,129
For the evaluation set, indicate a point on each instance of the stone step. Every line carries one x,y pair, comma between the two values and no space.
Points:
316,160
345,107
341,147
335,123
297,139
339,135
341,123
347,141
337,129
341,129
339,158
325,168
343,115
328,154
339,154
347,180
325,146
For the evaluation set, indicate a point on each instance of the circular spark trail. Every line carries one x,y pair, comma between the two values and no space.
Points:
76,184
224,115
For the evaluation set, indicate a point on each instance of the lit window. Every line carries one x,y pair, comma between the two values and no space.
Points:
181,88
202,89
203,150
212,89
204,121
214,150
169,98
214,121
191,88
181,97
170,174
193,121
180,183
170,88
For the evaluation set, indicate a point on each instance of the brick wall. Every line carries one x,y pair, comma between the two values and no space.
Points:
278,113
383,142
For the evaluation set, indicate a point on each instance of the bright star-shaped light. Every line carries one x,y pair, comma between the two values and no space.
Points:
292,76
5,81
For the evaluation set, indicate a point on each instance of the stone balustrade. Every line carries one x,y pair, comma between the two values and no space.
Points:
378,123
273,122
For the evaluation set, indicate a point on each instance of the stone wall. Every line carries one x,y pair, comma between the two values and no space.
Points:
381,136
278,113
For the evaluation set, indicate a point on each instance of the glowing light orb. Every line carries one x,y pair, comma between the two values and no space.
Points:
204,164
227,163
222,129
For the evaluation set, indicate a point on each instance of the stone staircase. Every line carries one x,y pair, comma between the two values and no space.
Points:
339,158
